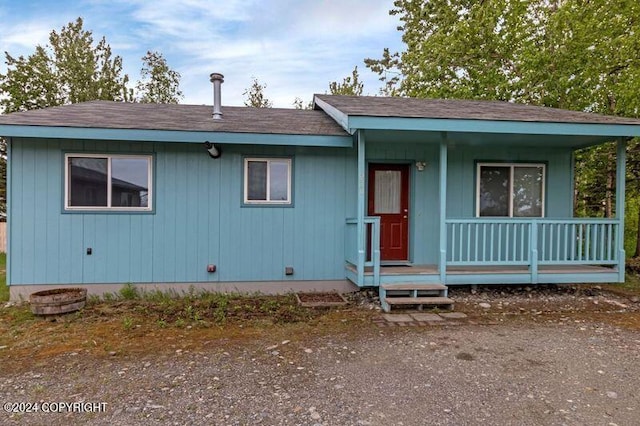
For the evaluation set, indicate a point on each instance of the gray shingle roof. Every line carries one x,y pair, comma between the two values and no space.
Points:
119,115
378,106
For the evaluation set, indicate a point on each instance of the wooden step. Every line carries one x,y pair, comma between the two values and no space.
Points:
407,286
419,301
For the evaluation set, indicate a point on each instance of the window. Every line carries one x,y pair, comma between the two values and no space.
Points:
107,182
510,190
267,181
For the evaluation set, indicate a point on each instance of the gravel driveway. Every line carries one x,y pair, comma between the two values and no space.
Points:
539,374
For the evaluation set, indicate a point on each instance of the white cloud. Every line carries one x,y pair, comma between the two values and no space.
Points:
296,47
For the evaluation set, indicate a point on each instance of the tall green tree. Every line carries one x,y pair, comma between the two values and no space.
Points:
158,83
255,96
350,85
71,68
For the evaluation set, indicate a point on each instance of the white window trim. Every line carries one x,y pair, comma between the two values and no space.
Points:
108,207
511,167
267,160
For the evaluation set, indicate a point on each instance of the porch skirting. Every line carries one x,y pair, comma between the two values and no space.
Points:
22,292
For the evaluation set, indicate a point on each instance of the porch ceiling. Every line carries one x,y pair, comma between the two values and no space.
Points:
486,139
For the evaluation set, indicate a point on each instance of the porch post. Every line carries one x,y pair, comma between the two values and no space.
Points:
442,266
361,206
621,166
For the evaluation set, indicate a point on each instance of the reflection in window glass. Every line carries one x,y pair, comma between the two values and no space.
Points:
494,191
278,181
87,184
527,191
129,182
108,181
267,181
257,180
511,190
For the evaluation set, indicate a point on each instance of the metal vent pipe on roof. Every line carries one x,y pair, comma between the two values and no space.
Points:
217,79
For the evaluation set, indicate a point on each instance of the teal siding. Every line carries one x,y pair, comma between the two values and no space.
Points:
198,218
461,176
423,201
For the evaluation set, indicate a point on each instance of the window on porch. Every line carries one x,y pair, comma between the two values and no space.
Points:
510,190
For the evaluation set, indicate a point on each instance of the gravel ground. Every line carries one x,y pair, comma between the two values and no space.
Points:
570,372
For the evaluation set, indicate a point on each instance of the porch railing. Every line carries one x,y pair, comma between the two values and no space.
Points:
572,241
369,255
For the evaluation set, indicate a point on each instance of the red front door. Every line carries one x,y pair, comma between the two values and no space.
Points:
389,199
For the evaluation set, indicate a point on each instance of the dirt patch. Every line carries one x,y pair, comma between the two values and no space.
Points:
320,300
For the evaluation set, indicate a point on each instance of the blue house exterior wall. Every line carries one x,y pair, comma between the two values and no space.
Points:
461,176
198,218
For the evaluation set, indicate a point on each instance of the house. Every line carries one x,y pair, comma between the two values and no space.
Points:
407,195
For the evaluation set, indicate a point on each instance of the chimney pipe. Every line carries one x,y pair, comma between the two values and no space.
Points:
217,79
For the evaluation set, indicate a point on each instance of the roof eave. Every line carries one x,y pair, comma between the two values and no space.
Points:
490,126
179,136
338,116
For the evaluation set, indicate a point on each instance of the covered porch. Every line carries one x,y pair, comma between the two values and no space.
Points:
489,199
491,250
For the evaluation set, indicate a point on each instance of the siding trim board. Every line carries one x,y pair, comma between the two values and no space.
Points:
493,126
178,136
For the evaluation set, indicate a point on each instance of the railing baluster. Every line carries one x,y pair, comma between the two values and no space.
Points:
609,241
484,241
491,245
587,248
524,232
580,241
566,245
468,238
461,229
544,231
475,254
602,234
573,241
516,226
506,241
500,242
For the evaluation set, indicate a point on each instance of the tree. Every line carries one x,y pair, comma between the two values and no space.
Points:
70,69
351,85
159,83
255,96
572,54
298,103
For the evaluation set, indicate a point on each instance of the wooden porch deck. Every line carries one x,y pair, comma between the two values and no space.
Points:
433,269
489,275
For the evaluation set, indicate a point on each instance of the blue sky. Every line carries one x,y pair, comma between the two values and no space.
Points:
296,47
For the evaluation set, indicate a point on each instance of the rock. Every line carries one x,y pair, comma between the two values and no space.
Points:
284,342
612,395
484,305
308,350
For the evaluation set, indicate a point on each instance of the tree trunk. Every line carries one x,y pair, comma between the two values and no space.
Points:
637,252
608,202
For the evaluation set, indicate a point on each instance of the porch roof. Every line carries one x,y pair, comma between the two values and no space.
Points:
474,117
